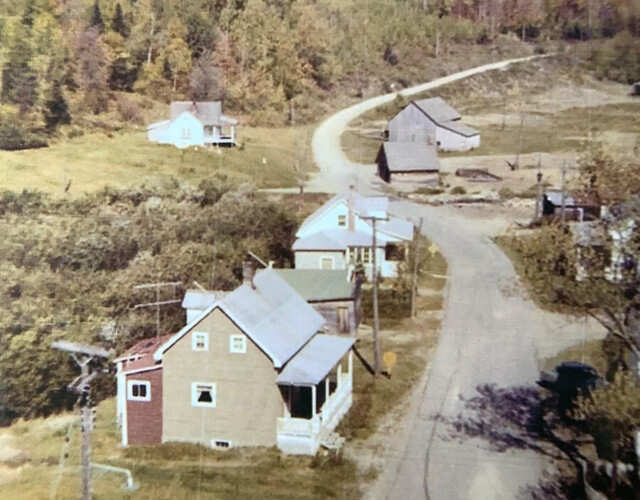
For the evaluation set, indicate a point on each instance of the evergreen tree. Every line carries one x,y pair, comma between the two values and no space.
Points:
118,23
19,82
56,108
96,17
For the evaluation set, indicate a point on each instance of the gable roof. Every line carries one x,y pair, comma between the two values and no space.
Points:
315,285
361,205
199,299
315,360
460,128
272,314
410,157
209,113
437,109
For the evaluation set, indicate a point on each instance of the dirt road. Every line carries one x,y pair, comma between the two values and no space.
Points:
488,336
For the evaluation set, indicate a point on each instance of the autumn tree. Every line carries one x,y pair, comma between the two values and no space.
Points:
206,82
93,68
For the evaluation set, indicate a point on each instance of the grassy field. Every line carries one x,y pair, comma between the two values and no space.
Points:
124,159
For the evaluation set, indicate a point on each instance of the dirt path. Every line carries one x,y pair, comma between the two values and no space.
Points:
489,335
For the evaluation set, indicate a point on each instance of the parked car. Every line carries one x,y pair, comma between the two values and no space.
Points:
568,380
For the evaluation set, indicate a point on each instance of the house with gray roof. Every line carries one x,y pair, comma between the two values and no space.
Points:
414,161
335,294
433,121
340,234
193,123
252,369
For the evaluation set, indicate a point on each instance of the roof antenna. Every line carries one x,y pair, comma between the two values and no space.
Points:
202,289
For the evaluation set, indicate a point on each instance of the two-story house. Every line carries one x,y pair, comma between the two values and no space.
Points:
340,234
250,370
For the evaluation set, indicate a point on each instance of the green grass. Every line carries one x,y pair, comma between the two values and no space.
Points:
126,159
590,353
360,148
172,471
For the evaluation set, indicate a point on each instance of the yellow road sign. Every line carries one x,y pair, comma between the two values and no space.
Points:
389,359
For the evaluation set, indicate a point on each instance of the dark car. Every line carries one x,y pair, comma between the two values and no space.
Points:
568,380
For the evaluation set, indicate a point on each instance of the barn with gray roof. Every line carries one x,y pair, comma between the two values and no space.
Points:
433,121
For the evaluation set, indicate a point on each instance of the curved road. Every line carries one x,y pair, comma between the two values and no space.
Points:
487,335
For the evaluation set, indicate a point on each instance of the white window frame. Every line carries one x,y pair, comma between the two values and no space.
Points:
214,444
145,383
367,255
194,394
342,220
194,339
186,132
242,349
333,262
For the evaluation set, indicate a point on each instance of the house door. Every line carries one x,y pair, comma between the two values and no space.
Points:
343,319
326,263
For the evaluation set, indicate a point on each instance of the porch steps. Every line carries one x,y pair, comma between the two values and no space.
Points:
331,440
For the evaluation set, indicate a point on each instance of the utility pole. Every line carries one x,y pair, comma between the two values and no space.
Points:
377,358
539,195
158,302
563,171
81,385
414,284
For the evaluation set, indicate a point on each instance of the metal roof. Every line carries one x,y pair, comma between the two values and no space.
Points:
555,197
399,228
460,128
338,240
437,109
271,313
209,113
315,285
199,299
411,157
315,360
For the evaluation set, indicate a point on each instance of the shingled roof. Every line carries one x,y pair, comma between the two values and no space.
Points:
315,285
209,113
410,157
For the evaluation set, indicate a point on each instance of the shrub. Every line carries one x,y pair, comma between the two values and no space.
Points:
429,191
14,137
458,190
129,110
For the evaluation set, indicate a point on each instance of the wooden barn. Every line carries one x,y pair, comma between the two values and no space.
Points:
433,121
413,161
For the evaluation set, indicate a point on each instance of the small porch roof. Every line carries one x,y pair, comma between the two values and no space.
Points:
315,360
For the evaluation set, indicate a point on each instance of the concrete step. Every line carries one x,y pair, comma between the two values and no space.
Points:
331,441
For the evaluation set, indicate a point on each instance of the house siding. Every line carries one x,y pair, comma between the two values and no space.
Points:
452,141
144,418
173,133
411,125
248,401
313,259
329,311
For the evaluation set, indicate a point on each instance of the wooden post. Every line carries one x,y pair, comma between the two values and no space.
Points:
313,401
376,319
539,194
564,174
339,373
326,388
414,284
86,452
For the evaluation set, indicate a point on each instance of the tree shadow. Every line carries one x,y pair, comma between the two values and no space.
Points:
518,418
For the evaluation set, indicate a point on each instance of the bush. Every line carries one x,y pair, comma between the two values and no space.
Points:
14,137
129,110
458,190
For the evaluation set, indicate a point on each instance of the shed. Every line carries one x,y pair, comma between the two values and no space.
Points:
407,158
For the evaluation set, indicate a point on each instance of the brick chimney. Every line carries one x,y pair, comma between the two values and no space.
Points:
248,271
351,201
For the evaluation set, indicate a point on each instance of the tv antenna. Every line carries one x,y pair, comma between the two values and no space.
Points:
158,302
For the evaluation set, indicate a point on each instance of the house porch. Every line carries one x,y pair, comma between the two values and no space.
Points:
312,409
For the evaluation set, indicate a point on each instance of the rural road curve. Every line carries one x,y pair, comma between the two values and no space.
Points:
487,336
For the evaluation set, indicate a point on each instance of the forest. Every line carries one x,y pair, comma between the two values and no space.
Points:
272,62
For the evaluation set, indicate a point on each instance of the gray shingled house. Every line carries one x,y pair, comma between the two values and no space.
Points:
414,161
335,294
433,121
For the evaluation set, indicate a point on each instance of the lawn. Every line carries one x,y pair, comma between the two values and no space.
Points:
124,159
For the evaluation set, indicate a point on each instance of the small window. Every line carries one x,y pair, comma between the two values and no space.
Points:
342,220
203,394
200,341
366,255
220,443
139,390
238,344
186,133
326,263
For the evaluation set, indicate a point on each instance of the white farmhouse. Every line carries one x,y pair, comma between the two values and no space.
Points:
194,124
340,234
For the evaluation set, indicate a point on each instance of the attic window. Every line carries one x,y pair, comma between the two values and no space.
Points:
203,394
139,390
186,133
238,344
342,220
200,341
